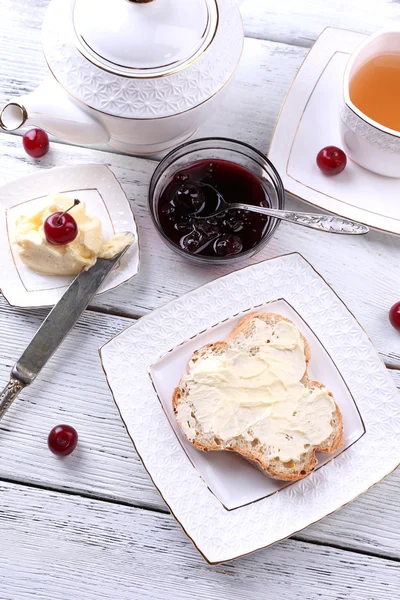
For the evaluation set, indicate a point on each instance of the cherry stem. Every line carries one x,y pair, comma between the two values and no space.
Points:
76,202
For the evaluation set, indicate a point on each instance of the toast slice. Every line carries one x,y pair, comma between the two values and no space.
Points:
251,394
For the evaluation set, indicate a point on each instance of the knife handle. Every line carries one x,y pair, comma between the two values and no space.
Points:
8,395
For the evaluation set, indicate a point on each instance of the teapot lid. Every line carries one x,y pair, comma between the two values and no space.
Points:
143,68
144,38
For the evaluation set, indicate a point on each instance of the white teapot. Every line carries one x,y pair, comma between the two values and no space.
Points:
139,75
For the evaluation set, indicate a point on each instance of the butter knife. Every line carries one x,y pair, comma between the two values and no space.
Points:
55,328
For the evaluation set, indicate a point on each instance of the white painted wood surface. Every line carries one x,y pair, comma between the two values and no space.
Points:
62,547
55,544
301,22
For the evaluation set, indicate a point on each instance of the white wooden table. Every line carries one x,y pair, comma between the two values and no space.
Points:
93,527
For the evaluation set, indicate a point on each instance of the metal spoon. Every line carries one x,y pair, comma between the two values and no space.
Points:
329,223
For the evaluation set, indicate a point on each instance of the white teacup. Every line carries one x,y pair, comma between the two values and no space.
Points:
368,143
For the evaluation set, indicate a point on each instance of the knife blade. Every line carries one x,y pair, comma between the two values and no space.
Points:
55,328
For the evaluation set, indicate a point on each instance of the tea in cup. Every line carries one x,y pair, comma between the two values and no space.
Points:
370,107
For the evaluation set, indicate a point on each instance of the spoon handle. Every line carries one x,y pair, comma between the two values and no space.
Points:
8,395
329,223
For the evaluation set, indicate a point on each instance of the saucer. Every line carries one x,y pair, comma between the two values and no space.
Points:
308,121
97,186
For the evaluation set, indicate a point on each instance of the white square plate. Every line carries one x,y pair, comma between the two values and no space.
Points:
232,479
309,120
225,523
97,186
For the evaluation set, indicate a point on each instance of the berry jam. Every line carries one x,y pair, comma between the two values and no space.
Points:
196,191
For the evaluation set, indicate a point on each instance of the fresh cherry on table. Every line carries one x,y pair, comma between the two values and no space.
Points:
394,315
36,142
60,228
331,160
62,440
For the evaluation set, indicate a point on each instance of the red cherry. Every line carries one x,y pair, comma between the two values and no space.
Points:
62,440
331,160
60,228
394,315
36,142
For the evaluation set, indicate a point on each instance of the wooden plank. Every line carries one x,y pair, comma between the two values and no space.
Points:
61,547
165,275
300,23
290,22
370,524
396,376
72,389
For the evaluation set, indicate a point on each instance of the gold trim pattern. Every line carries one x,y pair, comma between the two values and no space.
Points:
177,114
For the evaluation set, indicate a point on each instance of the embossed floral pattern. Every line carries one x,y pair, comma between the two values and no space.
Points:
326,222
142,98
219,534
383,140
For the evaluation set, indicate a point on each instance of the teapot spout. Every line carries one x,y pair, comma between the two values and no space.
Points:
50,107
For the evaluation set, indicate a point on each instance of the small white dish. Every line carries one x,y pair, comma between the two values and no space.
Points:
309,120
233,480
97,186
224,505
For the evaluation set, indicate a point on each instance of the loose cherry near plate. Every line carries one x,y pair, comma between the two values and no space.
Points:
62,440
36,142
394,315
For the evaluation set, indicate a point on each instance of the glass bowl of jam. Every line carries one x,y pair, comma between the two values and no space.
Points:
186,190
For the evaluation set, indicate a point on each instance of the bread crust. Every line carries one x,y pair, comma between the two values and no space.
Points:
275,468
